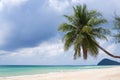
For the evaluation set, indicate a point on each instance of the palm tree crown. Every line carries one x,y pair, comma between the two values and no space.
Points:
117,27
82,30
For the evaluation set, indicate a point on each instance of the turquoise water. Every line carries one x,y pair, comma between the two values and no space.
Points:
6,71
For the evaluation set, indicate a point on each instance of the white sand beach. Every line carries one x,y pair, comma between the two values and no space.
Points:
90,74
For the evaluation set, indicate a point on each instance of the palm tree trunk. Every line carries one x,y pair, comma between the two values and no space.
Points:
107,52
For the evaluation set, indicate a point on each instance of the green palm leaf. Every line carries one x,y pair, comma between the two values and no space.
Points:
117,28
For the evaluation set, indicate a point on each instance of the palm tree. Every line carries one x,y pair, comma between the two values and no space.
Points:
82,30
117,27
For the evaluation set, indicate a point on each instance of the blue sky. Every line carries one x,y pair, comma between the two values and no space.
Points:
28,31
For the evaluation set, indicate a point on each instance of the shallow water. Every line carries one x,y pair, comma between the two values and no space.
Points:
18,70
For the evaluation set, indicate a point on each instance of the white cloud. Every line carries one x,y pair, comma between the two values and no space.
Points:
1,5
58,5
10,3
2,52
51,48
81,1
78,1
64,5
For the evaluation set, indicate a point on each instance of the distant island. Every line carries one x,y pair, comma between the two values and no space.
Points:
108,62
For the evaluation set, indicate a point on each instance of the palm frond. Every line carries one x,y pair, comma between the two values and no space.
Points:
117,28
117,37
94,14
117,23
77,50
94,22
92,48
68,39
66,27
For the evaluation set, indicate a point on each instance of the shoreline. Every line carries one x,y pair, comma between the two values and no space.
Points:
89,74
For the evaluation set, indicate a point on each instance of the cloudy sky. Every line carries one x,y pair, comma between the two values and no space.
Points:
28,31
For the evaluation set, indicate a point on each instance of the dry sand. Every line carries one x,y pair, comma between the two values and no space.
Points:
90,74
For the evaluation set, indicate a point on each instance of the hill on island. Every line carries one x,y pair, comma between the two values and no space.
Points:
108,62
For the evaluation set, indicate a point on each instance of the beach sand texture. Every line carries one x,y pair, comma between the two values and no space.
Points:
90,74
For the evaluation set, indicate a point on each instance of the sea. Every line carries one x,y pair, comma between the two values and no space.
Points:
19,70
